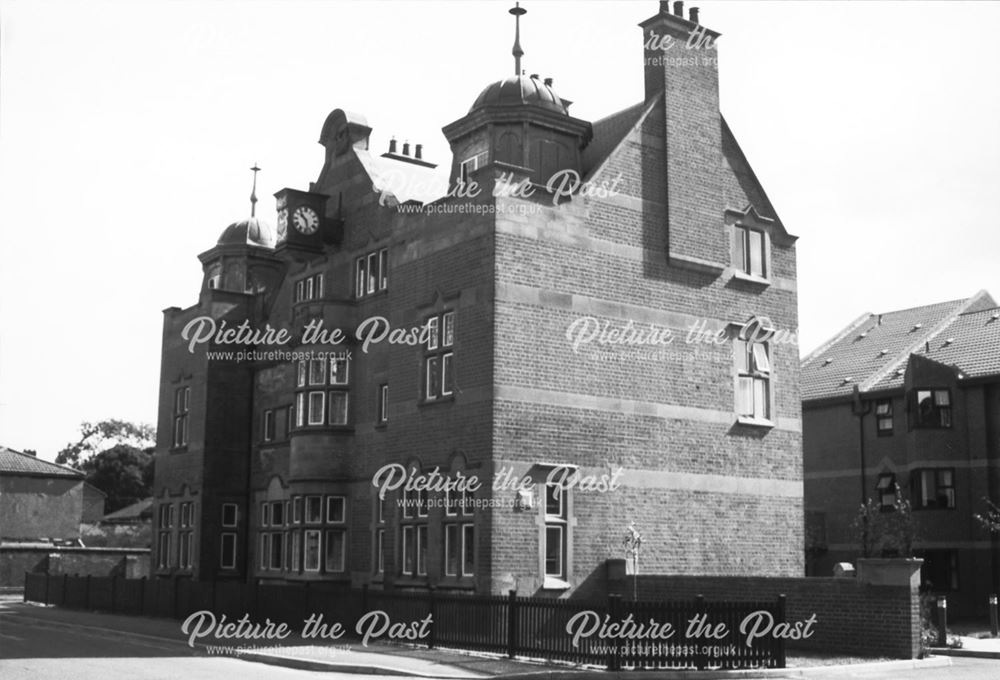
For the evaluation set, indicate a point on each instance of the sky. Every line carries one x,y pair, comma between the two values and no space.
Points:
127,130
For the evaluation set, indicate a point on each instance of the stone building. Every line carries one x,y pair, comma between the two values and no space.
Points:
565,323
906,405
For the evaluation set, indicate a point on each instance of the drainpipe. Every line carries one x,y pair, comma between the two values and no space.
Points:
861,409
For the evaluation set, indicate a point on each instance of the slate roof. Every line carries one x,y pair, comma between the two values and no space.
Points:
16,463
137,511
872,351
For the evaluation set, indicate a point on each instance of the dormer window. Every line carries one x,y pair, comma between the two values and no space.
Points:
932,408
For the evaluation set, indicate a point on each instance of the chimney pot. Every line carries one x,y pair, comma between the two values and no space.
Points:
392,145
406,148
548,82
534,76
418,151
693,15
679,8
664,6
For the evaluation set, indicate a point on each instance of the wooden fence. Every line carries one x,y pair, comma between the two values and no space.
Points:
617,634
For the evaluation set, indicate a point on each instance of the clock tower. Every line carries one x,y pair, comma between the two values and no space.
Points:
302,221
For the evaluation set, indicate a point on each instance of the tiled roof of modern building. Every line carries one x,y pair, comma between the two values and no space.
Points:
16,463
872,350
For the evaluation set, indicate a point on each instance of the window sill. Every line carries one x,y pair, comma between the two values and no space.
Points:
553,583
178,449
754,422
440,400
323,429
751,278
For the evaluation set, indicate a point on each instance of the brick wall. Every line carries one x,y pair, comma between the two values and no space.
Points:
851,617
16,560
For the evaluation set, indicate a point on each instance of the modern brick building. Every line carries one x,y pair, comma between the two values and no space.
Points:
540,322
907,405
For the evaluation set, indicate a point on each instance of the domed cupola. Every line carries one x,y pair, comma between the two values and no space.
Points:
521,91
242,259
252,231
519,127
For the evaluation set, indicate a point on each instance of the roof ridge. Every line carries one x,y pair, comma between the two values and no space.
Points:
648,108
933,304
932,333
835,339
42,461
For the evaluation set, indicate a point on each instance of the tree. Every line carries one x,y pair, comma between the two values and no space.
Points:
888,532
105,434
991,518
123,472
117,457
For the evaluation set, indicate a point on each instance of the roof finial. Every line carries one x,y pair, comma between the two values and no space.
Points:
253,192
517,11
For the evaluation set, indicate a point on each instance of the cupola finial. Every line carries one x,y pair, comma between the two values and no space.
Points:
253,192
517,11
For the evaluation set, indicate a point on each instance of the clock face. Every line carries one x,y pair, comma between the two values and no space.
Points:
282,224
305,220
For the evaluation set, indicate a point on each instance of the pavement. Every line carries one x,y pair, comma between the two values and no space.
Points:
419,662
972,646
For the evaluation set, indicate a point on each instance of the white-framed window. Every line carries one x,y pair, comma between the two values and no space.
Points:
265,551
932,408
277,550
338,408
227,550
338,371
265,514
335,509
230,515
296,550
380,551
277,513
268,425
887,490
186,541
310,558
422,550
382,403
556,523
751,251
334,556
459,549
182,410
296,509
883,417
163,550
314,509
309,288
302,371
408,543
933,488
470,165
753,379
317,408
439,371
300,409
317,371
371,272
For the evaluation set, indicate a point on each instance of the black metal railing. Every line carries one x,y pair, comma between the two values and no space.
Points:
615,633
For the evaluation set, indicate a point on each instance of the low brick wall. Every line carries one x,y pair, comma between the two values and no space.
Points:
15,560
852,617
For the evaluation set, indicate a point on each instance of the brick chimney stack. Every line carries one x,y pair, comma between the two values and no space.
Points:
681,66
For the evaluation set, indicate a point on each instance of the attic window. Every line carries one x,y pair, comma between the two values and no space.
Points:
883,352
949,341
847,380
827,361
917,326
864,334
